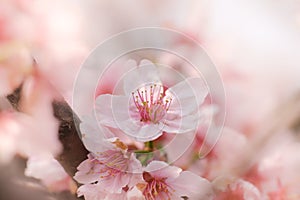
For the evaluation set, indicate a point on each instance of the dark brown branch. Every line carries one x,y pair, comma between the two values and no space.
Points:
15,97
74,152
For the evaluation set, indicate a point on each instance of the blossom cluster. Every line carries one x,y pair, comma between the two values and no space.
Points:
133,153
144,113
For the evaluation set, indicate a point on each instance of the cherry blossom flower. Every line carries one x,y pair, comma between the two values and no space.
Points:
278,165
111,171
148,109
162,181
109,165
19,134
51,173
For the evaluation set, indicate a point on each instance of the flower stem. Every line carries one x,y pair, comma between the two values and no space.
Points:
149,146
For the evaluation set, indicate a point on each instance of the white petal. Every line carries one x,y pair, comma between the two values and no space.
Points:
135,194
178,124
112,109
149,132
91,192
140,131
45,168
142,75
159,169
187,95
94,136
197,188
179,145
84,174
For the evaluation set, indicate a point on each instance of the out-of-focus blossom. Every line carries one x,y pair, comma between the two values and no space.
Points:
230,188
51,173
278,165
186,149
15,66
224,157
48,32
59,47
36,101
20,135
147,109
20,131
254,106
162,181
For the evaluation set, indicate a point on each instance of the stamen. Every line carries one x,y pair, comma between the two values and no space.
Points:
150,104
156,187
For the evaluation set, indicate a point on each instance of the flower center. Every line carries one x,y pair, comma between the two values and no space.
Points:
151,103
156,188
110,164
113,159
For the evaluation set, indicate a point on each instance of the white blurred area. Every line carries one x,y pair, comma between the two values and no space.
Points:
260,37
254,44
257,37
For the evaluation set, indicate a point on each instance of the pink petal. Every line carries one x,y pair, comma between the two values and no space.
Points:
159,169
84,174
91,192
178,124
192,186
50,172
148,132
135,169
145,73
111,110
121,196
227,186
179,148
93,136
140,131
135,194
187,96
134,165
116,183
